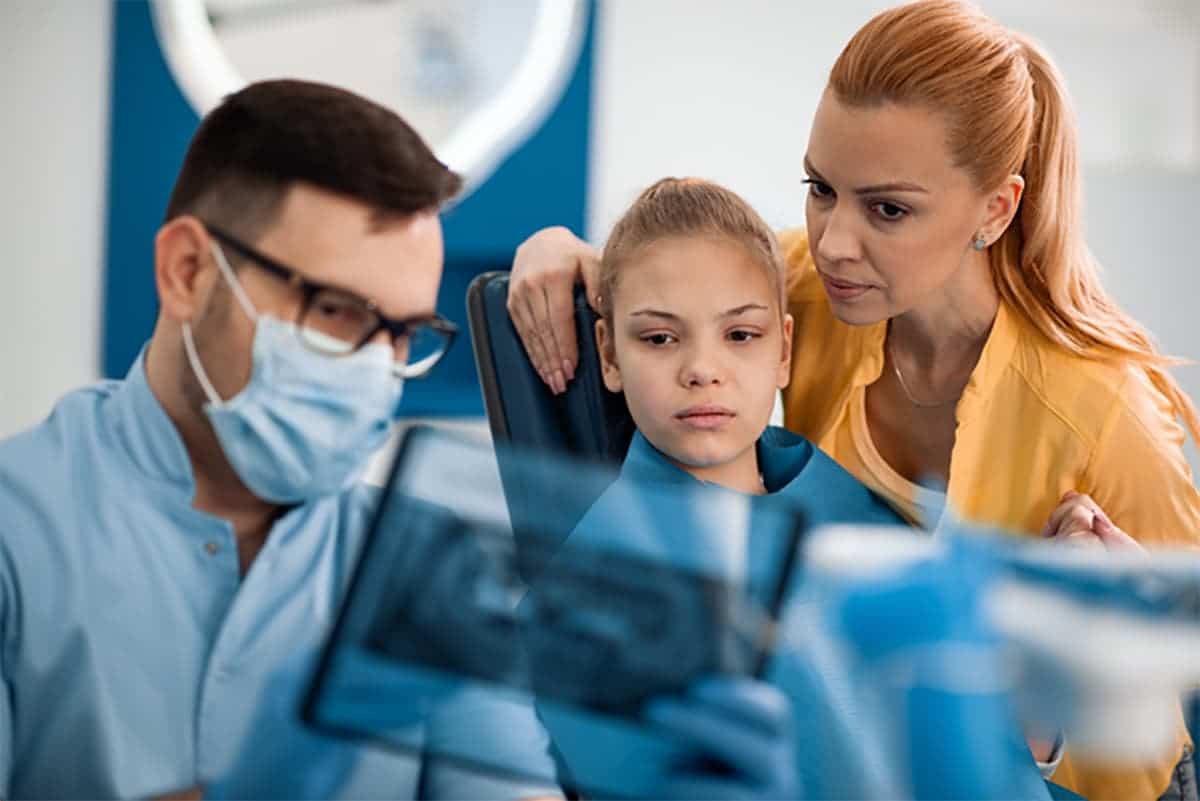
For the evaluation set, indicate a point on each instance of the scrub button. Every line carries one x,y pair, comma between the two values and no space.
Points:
211,548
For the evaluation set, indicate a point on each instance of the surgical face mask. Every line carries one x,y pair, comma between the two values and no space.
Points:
306,424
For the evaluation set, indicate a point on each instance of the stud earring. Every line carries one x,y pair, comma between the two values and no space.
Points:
980,242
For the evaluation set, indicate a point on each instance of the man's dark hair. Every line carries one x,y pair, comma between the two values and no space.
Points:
259,141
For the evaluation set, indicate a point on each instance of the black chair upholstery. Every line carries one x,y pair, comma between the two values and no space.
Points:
587,422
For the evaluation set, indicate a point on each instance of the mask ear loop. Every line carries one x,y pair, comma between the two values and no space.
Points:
189,345
189,342
234,284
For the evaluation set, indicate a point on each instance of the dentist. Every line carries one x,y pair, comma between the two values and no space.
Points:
169,541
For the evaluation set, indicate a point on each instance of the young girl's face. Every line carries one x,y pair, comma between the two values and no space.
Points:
699,348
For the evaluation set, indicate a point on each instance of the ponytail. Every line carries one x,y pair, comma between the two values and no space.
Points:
1042,264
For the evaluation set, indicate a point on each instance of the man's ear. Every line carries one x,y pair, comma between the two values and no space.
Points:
785,359
184,273
608,357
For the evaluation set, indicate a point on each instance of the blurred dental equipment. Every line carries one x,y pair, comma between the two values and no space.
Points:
1097,645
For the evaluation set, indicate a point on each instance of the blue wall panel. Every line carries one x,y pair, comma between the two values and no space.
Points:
151,126
543,183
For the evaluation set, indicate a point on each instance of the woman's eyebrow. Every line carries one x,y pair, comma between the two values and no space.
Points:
894,186
890,186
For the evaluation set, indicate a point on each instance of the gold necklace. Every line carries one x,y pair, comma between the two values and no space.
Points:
904,385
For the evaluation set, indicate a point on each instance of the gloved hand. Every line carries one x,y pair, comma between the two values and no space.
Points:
742,733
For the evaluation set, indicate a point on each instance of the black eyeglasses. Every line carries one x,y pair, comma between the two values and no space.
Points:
335,322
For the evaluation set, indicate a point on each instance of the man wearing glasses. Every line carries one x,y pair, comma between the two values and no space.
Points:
169,541
173,546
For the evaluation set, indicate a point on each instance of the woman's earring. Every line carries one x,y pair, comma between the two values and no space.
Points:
980,242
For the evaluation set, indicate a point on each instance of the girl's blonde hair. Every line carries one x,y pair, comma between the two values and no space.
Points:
1007,111
688,207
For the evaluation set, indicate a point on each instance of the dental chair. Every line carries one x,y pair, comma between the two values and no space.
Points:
586,423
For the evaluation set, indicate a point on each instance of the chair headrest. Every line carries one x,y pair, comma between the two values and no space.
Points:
587,421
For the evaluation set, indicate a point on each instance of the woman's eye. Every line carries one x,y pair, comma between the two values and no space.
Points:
889,211
658,340
819,189
742,335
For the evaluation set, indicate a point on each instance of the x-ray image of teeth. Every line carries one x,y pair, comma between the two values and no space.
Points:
461,611
598,628
452,599
608,631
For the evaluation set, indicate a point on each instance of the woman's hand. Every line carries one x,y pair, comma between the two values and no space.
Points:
1079,521
545,270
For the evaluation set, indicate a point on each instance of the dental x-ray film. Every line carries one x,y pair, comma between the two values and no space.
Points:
468,641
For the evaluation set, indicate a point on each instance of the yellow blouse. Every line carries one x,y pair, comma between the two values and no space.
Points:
1033,422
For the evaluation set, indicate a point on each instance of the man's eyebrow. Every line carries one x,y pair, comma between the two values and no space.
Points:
873,189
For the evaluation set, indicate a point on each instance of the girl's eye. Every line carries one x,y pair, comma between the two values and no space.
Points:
819,189
742,335
889,211
658,340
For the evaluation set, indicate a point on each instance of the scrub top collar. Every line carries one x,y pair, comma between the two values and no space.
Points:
156,451
148,436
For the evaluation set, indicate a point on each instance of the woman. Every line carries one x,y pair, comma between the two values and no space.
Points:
949,322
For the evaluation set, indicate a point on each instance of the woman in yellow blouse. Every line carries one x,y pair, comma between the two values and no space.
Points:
949,321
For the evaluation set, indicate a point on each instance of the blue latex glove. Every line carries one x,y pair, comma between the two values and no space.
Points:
281,757
742,733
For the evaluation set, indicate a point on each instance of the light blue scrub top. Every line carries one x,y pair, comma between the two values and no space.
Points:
131,651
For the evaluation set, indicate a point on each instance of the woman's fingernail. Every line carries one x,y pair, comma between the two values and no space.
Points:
569,369
560,383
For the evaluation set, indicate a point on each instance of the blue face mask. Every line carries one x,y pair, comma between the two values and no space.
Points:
306,424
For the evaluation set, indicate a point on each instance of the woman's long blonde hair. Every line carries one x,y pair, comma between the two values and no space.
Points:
1008,112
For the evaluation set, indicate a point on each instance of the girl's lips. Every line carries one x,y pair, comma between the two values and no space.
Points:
844,290
705,418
